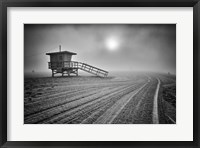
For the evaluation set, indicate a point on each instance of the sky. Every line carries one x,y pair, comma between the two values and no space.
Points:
112,47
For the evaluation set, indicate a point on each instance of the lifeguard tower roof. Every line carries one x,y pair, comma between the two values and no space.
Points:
60,52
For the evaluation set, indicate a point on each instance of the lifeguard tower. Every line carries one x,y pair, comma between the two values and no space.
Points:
61,62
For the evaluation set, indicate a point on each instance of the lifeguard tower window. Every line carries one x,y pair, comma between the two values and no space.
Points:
60,57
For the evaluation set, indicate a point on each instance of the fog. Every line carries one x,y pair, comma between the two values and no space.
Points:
122,47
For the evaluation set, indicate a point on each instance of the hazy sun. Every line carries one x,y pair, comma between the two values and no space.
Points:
112,44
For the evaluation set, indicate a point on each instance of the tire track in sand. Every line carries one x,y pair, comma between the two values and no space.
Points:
85,109
68,106
155,117
113,112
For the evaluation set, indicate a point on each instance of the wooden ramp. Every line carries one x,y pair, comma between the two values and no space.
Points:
92,70
74,65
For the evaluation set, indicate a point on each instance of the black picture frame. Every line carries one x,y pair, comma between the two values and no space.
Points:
4,4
